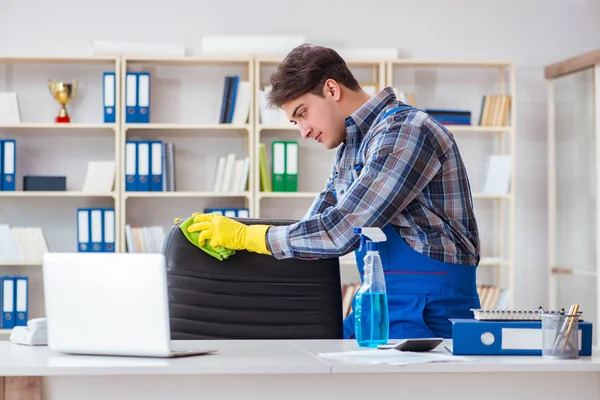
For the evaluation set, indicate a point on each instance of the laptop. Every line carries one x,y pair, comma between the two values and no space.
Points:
109,304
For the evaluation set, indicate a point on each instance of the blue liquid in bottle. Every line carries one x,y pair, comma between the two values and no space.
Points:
372,323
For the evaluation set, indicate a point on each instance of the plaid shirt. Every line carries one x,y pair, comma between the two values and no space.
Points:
413,177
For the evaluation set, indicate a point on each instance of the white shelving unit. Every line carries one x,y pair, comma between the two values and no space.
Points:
186,96
46,148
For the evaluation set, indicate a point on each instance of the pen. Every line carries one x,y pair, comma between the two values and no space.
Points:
560,331
575,309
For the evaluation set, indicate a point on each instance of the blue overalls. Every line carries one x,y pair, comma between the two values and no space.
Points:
423,293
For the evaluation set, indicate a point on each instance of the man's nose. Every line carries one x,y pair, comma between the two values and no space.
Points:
305,131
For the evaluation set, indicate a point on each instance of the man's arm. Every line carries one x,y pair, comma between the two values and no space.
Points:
399,164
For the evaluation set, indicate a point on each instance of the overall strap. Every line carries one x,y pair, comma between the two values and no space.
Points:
393,110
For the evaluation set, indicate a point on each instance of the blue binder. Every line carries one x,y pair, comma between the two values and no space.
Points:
7,292
131,100
143,166
108,230
235,80
156,166
109,96
224,114
229,212
131,166
96,230
83,230
474,337
21,300
143,97
1,164
9,158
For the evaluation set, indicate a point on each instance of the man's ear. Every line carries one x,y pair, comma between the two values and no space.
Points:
332,89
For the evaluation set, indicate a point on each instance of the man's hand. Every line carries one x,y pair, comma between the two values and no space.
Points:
233,235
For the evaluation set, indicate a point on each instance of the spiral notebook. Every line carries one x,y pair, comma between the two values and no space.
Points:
481,314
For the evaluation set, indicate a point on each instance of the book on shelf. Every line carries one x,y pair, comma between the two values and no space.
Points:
284,175
498,171
22,244
270,116
109,96
145,239
235,104
229,212
15,301
449,116
168,167
8,165
266,184
99,177
137,98
96,230
10,113
149,166
495,109
231,174
492,297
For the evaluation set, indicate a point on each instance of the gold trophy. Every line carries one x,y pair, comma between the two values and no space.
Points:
63,92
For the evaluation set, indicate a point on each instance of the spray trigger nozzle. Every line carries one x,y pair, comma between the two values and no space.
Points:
370,237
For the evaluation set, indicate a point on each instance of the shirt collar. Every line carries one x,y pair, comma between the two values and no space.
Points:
366,114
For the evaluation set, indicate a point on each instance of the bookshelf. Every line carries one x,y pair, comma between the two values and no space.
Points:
44,147
573,101
185,100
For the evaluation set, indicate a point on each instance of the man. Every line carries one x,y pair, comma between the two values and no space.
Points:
396,168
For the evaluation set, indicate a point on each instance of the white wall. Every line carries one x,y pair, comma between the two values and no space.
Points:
532,33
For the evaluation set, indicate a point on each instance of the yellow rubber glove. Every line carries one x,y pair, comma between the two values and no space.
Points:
223,231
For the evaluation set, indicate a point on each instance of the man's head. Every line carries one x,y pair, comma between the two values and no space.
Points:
317,91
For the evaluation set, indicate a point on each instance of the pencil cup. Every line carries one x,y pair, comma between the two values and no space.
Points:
560,336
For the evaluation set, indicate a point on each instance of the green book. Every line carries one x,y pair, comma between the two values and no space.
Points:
278,155
291,167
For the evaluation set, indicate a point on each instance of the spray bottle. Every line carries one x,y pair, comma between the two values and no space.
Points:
372,323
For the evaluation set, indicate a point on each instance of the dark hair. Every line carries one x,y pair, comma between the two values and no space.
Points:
305,70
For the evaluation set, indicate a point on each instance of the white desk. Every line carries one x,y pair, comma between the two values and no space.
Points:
292,370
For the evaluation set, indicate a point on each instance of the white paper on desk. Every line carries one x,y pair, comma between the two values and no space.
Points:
394,357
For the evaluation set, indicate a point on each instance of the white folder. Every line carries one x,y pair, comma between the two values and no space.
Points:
83,230
8,303
21,303
131,92
109,230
